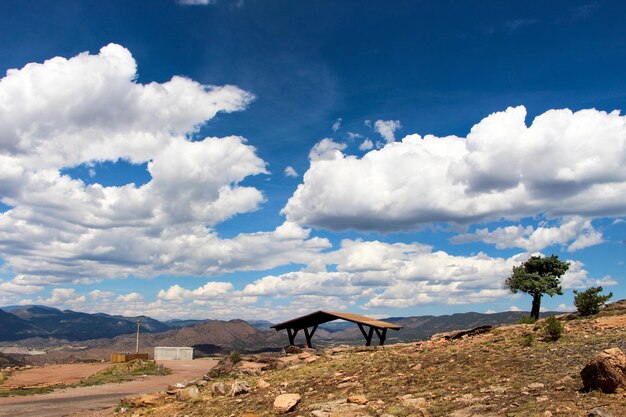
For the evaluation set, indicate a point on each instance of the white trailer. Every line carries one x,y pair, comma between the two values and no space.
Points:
165,353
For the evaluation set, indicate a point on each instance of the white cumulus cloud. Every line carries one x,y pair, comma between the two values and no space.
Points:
291,172
66,112
387,129
564,163
576,232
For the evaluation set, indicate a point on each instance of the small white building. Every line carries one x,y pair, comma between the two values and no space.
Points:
173,353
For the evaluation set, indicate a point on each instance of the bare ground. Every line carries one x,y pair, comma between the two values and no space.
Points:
86,401
510,371
53,375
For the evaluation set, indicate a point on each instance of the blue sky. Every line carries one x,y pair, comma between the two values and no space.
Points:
265,158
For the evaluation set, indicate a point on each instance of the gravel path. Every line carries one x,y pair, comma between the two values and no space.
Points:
86,401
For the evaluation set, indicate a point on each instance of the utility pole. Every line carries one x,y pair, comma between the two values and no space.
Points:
137,347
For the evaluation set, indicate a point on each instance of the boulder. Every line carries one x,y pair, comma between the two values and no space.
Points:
606,372
240,387
357,399
143,400
188,393
285,403
599,412
261,383
223,367
219,388
293,350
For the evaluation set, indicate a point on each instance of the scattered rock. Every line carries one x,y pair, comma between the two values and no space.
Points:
599,412
293,350
202,383
261,383
143,400
305,355
461,333
312,358
357,399
219,388
535,386
565,380
419,404
188,393
285,403
240,387
319,413
223,367
347,385
417,367
606,372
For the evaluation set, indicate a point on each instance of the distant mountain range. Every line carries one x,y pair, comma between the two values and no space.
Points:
29,321
37,321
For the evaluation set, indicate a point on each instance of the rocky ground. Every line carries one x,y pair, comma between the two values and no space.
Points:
504,371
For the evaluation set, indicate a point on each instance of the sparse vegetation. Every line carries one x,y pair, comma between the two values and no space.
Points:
124,372
538,276
526,320
590,302
26,391
552,328
235,356
3,376
528,340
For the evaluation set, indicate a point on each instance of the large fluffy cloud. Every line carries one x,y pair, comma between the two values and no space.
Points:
564,163
90,108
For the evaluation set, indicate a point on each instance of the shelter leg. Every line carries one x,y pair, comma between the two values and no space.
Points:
382,335
367,335
368,339
307,336
292,336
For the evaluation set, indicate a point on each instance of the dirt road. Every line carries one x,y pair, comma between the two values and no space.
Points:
81,400
53,375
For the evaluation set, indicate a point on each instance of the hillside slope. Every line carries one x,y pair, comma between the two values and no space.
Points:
15,328
508,371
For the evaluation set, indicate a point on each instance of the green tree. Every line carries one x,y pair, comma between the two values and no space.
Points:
590,301
538,276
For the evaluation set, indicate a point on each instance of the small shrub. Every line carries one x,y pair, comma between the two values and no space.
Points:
526,320
590,302
235,356
553,328
528,340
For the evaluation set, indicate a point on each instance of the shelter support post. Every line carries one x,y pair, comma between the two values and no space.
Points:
308,335
292,335
381,333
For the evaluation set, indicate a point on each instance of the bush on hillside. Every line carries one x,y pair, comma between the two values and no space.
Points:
234,356
552,328
526,320
590,302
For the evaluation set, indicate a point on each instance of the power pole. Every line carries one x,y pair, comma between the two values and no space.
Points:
137,347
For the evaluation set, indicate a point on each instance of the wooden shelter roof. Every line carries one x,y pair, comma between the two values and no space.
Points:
321,317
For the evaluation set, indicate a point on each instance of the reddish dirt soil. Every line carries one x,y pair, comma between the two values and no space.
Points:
88,400
611,321
53,375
